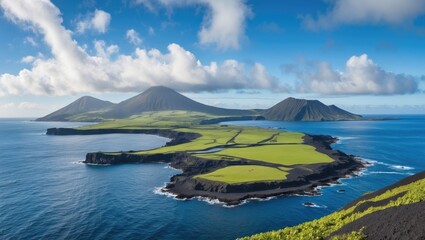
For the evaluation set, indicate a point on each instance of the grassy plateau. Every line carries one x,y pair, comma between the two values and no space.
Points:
279,150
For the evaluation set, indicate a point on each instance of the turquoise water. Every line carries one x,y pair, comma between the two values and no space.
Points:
46,193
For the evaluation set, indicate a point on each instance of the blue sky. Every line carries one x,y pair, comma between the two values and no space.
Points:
365,56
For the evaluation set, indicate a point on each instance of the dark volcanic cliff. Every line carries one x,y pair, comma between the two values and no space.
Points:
398,222
394,212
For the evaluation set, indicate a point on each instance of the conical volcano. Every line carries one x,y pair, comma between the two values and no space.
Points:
292,109
82,105
162,98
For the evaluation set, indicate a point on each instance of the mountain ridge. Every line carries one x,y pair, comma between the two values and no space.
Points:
292,109
81,105
160,98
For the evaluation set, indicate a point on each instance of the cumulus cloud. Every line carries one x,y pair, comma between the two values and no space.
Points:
97,21
360,76
30,41
23,105
133,37
28,59
22,109
223,24
72,70
341,12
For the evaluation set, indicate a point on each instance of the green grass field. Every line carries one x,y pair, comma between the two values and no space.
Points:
163,119
286,155
282,148
245,173
211,137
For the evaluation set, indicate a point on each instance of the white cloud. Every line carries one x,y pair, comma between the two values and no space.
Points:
68,60
223,24
366,11
28,59
361,76
98,21
30,41
23,109
133,37
72,70
21,106
104,51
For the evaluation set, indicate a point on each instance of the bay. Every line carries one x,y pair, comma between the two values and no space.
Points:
46,193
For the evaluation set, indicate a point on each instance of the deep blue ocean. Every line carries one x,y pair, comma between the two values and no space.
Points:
45,193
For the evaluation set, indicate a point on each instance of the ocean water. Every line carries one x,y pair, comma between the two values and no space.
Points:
45,193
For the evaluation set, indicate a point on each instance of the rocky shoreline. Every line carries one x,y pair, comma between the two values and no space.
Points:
302,179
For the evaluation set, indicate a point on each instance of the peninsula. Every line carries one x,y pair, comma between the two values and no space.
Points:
226,162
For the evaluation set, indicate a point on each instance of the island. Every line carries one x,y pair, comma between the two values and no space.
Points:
218,161
226,162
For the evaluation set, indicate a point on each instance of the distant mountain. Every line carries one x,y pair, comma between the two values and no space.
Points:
162,99
80,106
292,109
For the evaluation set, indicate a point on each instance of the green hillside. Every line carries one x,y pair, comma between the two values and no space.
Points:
395,212
159,98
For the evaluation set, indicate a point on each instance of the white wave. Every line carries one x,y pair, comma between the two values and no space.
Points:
391,166
211,201
317,194
98,165
161,191
223,204
384,172
313,205
368,162
79,162
169,167
358,173
342,139
263,199
400,167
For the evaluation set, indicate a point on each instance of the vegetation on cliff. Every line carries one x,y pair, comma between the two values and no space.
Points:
375,213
